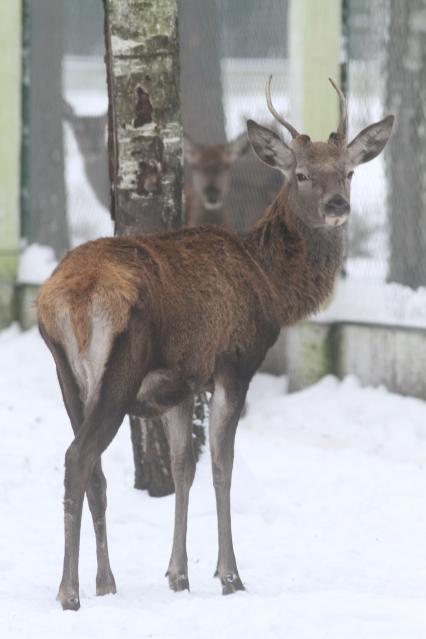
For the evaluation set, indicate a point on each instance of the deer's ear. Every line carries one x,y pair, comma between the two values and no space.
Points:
239,146
188,148
370,142
270,148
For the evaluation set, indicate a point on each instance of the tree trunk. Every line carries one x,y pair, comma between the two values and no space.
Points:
145,151
406,166
43,200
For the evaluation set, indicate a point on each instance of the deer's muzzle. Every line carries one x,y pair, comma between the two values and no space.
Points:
337,210
213,197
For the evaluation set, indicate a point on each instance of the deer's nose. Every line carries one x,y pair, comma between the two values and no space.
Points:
212,194
337,205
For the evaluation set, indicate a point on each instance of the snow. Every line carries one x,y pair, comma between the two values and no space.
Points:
36,264
329,517
375,303
88,101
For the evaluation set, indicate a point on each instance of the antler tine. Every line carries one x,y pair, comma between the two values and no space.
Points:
342,129
271,108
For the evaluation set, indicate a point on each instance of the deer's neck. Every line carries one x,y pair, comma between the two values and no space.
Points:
300,262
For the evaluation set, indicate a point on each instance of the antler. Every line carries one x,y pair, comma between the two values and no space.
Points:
271,107
342,129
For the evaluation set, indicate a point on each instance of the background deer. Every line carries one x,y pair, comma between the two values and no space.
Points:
90,134
210,168
139,324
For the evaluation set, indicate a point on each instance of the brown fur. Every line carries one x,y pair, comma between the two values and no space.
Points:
301,262
208,293
226,298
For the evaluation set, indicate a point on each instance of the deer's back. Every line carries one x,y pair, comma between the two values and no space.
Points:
198,290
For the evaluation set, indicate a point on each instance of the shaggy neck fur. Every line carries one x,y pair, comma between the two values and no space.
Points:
300,262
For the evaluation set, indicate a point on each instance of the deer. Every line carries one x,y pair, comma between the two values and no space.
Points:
141,324
89,131
211,166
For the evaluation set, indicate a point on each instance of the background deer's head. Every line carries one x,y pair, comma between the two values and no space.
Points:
211,165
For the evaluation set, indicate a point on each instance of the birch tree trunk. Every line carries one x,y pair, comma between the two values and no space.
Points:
406,167
145,154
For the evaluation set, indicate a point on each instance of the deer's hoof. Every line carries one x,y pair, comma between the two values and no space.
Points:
231,583
70,602
105,585
178,582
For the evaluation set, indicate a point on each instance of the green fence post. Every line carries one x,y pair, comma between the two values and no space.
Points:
314,39
315,29
10,125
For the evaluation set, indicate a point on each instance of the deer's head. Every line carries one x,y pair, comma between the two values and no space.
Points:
211,165
319,173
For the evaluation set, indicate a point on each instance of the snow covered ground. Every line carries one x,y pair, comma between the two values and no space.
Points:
329,515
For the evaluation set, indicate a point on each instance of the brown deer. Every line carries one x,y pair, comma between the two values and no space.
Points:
211,166
140,324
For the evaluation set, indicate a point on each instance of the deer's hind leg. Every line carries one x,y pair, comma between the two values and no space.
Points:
162,390
81,459
177,423
83,472
226,405
96,486
97,499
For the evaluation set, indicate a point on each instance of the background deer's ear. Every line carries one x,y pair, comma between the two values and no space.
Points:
371,141
188,148
270,148
68,113
239,146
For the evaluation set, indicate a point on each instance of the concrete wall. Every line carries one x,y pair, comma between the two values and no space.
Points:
393,356
388,355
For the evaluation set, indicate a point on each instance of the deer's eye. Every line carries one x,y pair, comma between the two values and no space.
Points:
349,175
301,177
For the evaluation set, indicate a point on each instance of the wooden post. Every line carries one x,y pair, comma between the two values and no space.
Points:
406,156
10,130
315,33
46,222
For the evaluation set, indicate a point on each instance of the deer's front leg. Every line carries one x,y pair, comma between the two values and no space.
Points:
178,425
227,402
